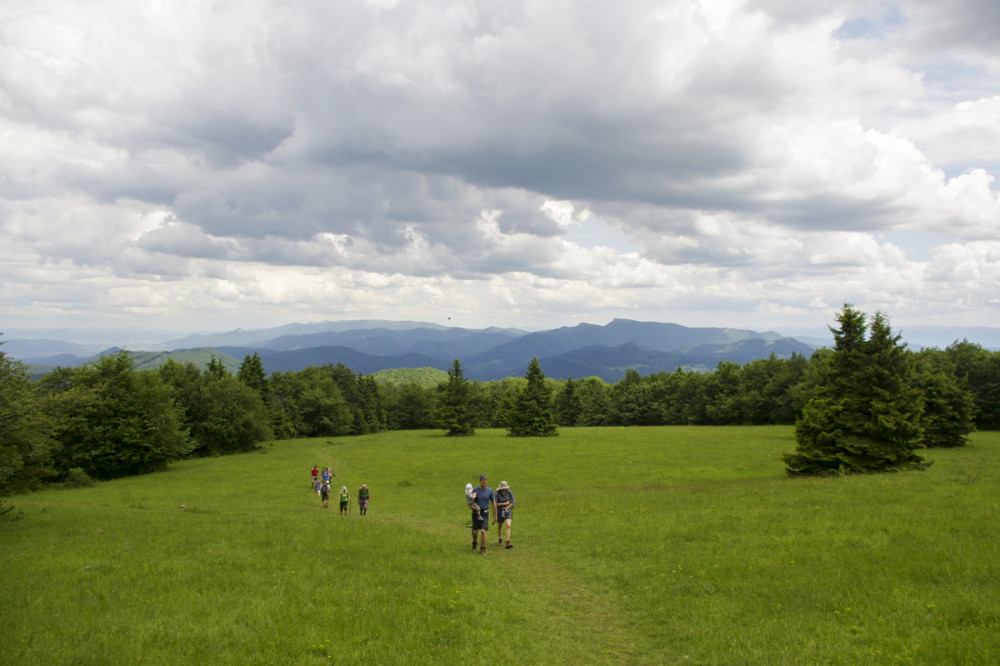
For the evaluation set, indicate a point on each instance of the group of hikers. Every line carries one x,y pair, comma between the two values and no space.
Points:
321,484
480,500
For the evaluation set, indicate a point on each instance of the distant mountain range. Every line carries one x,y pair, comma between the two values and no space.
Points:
367,346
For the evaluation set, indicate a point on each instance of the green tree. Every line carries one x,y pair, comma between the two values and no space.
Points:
286,419
949,408
26,441
531,414
252,373
116,421
216,369
186,381
456,413
230,417
596,406
633,400
865,414
722,394
978,370
568,404
370,414
410,406
492,401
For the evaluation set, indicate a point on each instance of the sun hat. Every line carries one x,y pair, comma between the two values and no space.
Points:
468,487
503,486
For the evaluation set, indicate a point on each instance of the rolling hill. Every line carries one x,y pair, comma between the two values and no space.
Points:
584,350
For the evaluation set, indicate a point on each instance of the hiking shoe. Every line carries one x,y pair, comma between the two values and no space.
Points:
482,551
500,541
509,545
474,544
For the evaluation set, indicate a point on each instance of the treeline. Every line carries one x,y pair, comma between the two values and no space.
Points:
108,419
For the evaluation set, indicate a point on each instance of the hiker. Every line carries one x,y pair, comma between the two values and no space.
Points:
318,486
345,500
364,496
326,475
505,511
470,499
481,519
315,473
324,494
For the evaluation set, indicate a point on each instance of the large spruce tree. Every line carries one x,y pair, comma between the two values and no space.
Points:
865,413
456,413
531,413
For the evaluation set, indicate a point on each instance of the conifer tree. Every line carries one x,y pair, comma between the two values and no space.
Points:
865,413
456,413
949,408
252,373
531,414
568,404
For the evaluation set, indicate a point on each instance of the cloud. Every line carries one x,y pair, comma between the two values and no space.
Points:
739,156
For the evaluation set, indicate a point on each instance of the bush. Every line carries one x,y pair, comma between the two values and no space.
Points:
77,478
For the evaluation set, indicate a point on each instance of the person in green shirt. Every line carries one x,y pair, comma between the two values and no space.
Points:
345,501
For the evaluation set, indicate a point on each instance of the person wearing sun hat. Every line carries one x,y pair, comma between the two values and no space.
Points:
505,512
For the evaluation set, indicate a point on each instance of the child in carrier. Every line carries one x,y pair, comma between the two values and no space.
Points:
470,499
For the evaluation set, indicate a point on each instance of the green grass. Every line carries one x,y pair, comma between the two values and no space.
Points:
425,377
632,545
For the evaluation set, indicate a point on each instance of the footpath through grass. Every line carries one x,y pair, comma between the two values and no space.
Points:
632,545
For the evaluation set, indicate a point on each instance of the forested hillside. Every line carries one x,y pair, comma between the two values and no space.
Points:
112,417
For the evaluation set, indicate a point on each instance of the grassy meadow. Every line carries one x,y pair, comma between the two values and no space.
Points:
665,545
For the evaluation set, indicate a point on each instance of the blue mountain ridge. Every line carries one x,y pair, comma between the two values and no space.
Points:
368,346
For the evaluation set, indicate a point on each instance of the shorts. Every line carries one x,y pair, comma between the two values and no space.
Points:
504,514
481,523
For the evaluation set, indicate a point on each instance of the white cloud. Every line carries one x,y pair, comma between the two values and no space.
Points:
515,162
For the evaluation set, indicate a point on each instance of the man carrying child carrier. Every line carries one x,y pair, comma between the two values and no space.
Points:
481,519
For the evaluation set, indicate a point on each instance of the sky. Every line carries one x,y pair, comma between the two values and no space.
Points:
211,165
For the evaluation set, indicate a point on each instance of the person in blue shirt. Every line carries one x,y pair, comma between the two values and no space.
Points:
505,511
481,518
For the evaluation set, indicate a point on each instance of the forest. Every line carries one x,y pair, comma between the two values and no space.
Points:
107,419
